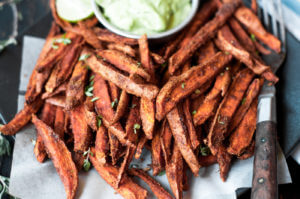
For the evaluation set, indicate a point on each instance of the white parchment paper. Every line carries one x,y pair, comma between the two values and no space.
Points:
32,180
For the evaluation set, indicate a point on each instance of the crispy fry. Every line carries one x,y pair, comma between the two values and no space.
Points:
156,188
58,100
145,56
142,141
242,35
81,130
253,24
90,115
248,152
174,173
101,145
122,106
75,88
126,49
62,88
224,160
175,119
157,58
157,154
31,94
128,189
59,122
166,140
207,51
227,108
209,105
208,160
205,33
125,164
107,36
48,117
60,156
183,85
114,92
147,109
250,96
200,91
89,36
141,90
21,118
261,48
227,42
123,62
52,81
114,145
194,138
241,138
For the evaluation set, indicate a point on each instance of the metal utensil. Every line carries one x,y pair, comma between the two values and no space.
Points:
264,182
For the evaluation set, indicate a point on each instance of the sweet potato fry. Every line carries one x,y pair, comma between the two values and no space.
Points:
58,100
157,58
123,62
157,154
59,122
204,53
172,45
90,115
248,152
242,35
89,35
174,173
241,138
208,160
224,160
128,189
261,48
101,145
141,90
114,145
48,117
156,188
60,156
125,164
194,139
250,96
145,56
209,105
166,140
227,108
254,6
200,91
114,91
61,89
52,81
81,130
126,49
147,109
75,88
254,25
21,118
179,87
175,119
122,106
227,42
204,34
107,36
142,141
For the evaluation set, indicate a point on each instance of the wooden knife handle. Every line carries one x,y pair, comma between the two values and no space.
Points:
264,182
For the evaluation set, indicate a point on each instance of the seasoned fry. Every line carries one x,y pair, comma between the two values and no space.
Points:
75,88
141,90
157,189
157,58
174,173
204,34
227,42
157,154
61,89
114,145
145,56
90,115
200,91
254,25
48,117
128,189
183,85
206,52
208,160
125,164
101,144
224,160
58,100
107,36
250,96
81,130
147,109
89,36
248,152
114,92
122,106
126,49
177,126
166,140
229,104
60,156
59,122
142,141
21,118
194,139
123,62
241,138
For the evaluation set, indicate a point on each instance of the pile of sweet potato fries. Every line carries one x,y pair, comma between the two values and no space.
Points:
191,102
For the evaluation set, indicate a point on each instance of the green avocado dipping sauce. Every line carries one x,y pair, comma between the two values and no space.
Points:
145,16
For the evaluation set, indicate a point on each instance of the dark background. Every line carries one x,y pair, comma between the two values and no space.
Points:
34,19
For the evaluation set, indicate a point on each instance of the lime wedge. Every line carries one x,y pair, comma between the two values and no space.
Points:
74,10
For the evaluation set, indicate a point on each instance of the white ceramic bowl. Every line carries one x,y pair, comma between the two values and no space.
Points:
163,36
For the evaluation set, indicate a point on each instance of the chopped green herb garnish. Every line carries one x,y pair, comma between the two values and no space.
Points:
92,77
197,91
135,127
99,120
139,64
243,101
86,165
162,173
114,103
253,37
55,47
84,57
33,142
182,85
219,120
204,150
227,53
194,112
94,99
